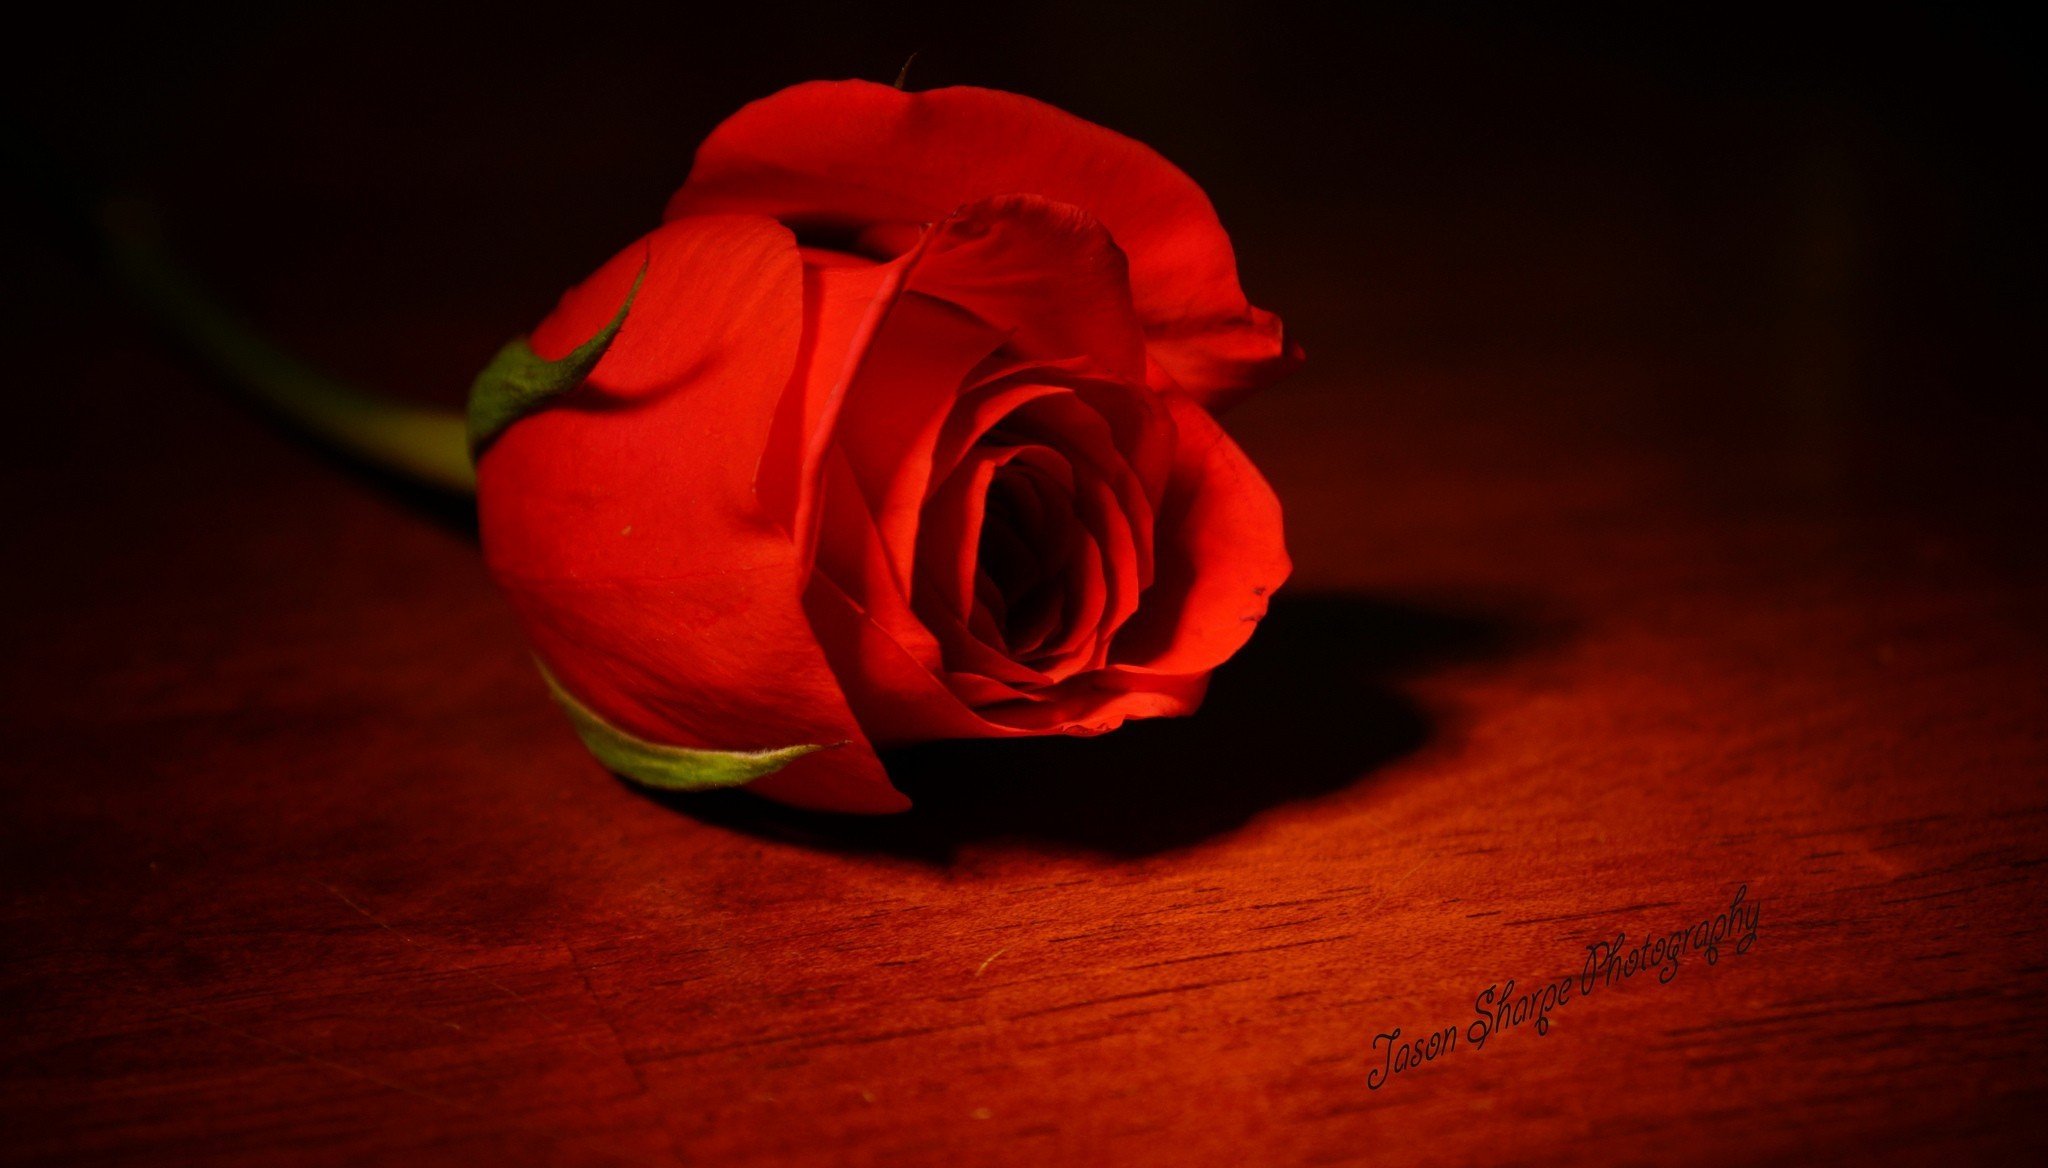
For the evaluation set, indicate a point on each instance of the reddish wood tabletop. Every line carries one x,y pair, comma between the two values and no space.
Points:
1664,535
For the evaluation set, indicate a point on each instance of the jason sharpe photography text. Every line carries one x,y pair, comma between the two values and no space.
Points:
1500,1007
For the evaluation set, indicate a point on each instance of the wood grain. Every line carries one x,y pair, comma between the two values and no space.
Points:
1661,531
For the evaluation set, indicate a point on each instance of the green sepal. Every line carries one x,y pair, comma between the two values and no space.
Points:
670,768
518,381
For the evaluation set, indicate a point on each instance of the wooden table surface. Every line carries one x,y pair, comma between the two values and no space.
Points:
1668,531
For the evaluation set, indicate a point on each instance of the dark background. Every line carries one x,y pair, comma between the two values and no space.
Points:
1835,219
1665,489
1867,178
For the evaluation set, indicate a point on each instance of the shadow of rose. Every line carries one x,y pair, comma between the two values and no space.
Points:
1309,707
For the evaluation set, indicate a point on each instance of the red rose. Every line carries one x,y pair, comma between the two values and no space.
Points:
906,435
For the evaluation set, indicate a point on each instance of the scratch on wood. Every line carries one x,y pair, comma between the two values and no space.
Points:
318,1061
1604,912
1410,872
1082,1005
1243,952
486,978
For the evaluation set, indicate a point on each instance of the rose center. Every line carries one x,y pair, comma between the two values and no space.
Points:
1025,554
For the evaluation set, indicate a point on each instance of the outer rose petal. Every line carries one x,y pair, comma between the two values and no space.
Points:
851,153
1048,273
624,524
845,300
1220,555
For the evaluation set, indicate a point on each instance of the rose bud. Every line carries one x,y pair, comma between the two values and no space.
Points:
898,429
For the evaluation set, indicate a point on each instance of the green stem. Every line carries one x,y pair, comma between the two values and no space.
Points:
421,443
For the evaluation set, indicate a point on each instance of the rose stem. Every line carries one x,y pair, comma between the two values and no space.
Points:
427,445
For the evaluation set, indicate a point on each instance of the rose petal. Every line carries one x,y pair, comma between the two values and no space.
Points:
853,153
846,298
851,553
1018,270
898,698
1076,420
901,702
623,524
943,595
1047,274
1140,429
1098,702
891,417
1110,527
1220,554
